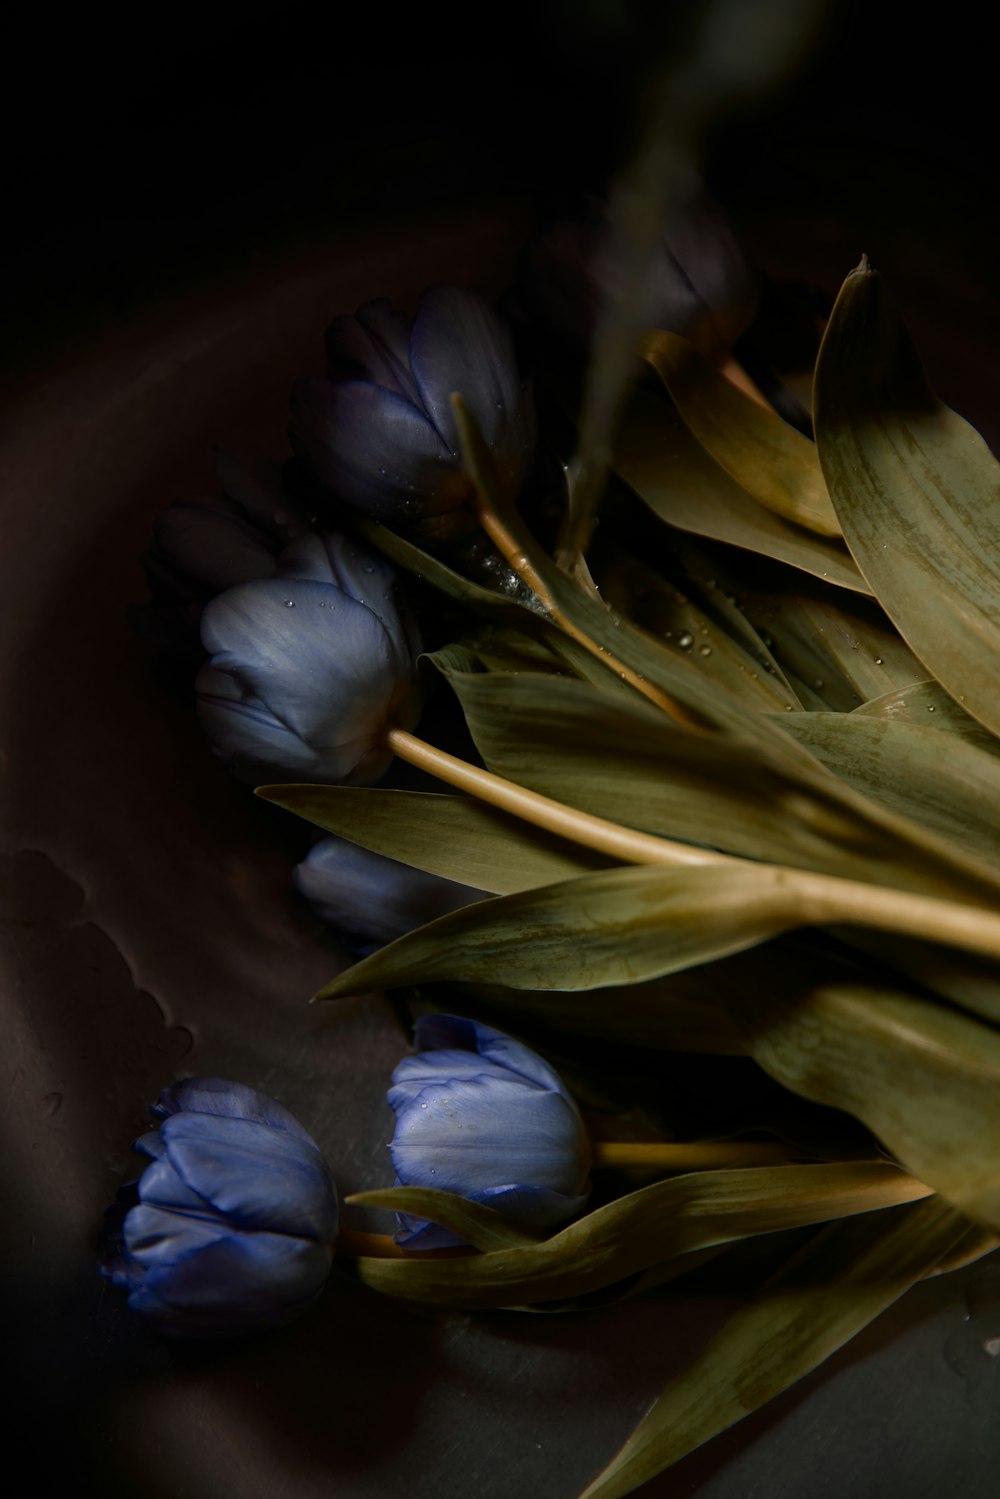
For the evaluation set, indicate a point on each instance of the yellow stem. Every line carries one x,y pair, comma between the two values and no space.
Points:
620,843
354,1245
514,555
803,897
695,1155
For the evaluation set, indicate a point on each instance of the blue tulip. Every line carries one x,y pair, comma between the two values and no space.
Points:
230,1227
309,668
699,283
373,900
480,1115
379,431
201,547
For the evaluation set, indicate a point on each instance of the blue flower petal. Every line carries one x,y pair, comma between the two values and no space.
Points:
216,1095
373,345
440,1032
156,1236
458,344
372,898
240,1283
365,577
254,745
471,1136
257,1177
376,450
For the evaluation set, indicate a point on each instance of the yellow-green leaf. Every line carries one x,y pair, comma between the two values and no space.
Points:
917,492
776,465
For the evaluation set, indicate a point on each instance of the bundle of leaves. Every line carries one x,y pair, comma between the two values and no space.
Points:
738,797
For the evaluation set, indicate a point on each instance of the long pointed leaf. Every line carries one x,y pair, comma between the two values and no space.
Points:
687,1213
917,492
770,460
657,457
456,837
828,1292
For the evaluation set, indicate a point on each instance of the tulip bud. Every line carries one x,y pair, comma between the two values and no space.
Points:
373,900
230,1227
480,1115
699,283
309,668
379,431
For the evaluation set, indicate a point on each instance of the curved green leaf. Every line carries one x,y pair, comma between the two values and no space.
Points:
825,1294
952,788
658,458
917,492
456,837
644,1228
925,1079
776,465
567,740
617,927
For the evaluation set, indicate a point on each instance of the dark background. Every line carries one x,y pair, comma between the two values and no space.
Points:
154,153
148,149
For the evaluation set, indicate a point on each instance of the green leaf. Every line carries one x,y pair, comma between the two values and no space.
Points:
658,458
926,705
732,657
456,837
509,606
839,647
776,465
644,1228
481,1226
917,492
924,1078
620,926
826,1294
567,740
952,788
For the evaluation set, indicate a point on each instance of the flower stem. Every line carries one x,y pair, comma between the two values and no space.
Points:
619,843
694,1155
479,470
801,897
521,564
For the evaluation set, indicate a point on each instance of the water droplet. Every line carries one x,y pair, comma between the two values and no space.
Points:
369,568
289,603
818,683
423,1106
382,472
931,708
788,707
704,650
878,660
685,641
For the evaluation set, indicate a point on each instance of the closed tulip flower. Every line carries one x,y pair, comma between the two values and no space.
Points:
699,283
379,431
373,900
482,1116
230,1227
308,669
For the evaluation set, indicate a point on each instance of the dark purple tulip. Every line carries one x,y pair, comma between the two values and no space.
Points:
201,547
481,1115
373,900
700,284
379,430
230,1227
309,668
